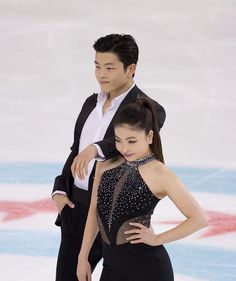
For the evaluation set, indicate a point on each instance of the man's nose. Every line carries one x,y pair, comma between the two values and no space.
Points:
103,73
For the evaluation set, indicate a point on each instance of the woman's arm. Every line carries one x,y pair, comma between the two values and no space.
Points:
188,206
90,232
172,187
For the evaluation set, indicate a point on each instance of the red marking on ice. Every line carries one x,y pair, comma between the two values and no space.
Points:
218,224
18,210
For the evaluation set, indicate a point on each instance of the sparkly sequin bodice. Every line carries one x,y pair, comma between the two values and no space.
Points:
123,197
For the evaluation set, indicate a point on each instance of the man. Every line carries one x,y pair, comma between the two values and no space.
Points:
115,62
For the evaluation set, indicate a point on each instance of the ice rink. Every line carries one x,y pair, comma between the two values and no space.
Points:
187,63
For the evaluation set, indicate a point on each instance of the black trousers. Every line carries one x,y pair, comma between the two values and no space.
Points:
72,229
136,262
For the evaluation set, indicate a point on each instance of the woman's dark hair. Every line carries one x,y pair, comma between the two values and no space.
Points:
123,45
141,115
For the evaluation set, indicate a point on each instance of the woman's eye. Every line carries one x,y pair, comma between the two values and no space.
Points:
132,141
117,141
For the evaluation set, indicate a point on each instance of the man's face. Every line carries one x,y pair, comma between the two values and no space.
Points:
110,73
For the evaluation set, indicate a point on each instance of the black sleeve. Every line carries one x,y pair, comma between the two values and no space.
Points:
161,114
62,182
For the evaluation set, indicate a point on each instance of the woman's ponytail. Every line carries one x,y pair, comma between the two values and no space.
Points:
141,115
156,145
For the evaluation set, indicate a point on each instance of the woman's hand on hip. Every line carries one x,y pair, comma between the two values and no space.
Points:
141,234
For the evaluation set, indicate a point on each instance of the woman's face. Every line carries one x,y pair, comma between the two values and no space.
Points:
133,143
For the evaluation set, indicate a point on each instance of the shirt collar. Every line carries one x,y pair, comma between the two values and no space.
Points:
103,96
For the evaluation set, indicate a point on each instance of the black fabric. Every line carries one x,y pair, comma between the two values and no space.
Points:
139,262
80,195
123,197
64,182
72,229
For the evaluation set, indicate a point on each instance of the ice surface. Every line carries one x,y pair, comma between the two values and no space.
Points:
187,63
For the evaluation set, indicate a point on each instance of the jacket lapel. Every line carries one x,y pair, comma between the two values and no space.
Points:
88,108
85,111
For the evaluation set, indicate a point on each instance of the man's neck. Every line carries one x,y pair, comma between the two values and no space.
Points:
115,94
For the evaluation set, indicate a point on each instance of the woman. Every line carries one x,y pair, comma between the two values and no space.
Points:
125,193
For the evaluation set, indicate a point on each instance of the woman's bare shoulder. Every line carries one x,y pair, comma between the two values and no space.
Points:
157,166
164,172
160,169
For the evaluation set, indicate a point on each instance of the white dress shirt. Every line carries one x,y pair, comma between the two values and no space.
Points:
95,128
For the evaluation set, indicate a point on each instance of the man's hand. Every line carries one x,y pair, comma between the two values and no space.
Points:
61,200
79,166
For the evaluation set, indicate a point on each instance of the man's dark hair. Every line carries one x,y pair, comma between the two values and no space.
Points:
123,45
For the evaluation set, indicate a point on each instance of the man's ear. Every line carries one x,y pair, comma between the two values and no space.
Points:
131,70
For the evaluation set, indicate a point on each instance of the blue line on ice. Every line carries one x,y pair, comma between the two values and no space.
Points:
196,179
213,264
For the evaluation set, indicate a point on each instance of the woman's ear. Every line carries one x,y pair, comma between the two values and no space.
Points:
150,136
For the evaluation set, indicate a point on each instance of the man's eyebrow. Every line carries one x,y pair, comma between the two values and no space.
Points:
108,63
